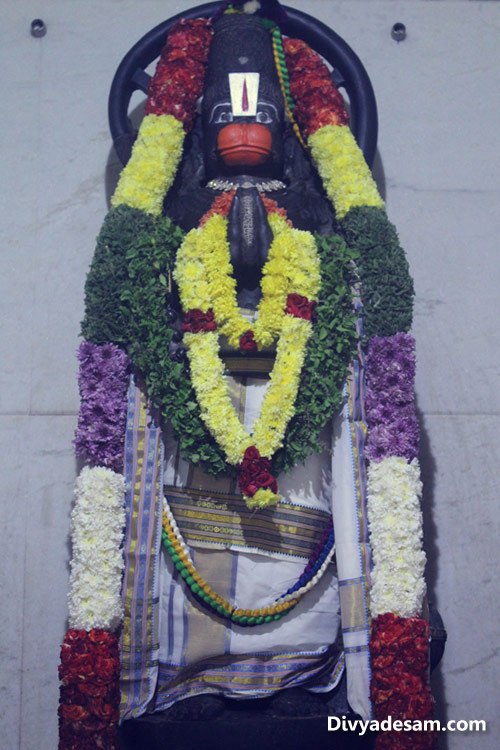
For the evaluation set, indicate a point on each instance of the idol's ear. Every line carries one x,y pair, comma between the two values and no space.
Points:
348,73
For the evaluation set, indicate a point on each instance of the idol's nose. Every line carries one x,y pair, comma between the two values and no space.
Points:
244,144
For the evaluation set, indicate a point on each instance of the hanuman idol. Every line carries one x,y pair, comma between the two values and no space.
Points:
247,411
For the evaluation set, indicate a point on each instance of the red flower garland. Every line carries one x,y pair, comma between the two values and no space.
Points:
247,342
272,208
400,688
317,101
90,695
178,79
221,206
196,321
300,307
254,473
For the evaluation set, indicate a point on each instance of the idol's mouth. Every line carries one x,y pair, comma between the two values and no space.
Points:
244,144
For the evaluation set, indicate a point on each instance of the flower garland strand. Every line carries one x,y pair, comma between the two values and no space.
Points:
103,382
389,401
98,520
399,649
169,113
207,290
203,272
90,665
89,674
311,575
395,522
151,169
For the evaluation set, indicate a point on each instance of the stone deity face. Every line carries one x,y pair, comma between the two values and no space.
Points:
237,144
243,110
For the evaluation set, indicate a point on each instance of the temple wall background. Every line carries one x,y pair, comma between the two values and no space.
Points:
438,95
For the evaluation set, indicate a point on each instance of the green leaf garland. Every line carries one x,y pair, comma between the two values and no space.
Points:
329,351
125,304
383,269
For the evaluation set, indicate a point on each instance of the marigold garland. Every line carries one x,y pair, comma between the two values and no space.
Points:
217,411
203,272
345,174
152,166
207,289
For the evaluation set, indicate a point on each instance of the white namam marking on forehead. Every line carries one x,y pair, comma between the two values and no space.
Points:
244,88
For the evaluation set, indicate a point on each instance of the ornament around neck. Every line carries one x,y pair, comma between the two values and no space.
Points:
225,184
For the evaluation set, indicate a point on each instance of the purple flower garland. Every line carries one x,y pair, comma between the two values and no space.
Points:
390,409
103,383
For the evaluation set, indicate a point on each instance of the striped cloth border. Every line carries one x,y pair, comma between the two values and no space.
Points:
225,521
239,676
139,643
351,532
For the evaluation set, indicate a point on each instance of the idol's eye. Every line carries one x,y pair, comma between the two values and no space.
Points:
223,115
264,117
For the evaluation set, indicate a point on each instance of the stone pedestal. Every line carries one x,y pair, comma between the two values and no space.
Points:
291,720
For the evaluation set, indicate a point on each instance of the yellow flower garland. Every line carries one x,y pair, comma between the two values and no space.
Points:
152,166
345,174
217,411
203,273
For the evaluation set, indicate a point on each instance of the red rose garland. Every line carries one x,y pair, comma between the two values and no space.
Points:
300,306
317,101
247,342
400,688
197,320
178,79
255,473
89,673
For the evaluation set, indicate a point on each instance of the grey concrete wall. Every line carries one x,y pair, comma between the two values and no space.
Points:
438,95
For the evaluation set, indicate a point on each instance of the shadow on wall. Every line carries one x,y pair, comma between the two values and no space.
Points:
428,474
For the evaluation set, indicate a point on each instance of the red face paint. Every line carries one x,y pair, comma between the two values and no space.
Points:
244,144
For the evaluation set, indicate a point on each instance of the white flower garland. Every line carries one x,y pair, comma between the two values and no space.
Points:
395,522
97,525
